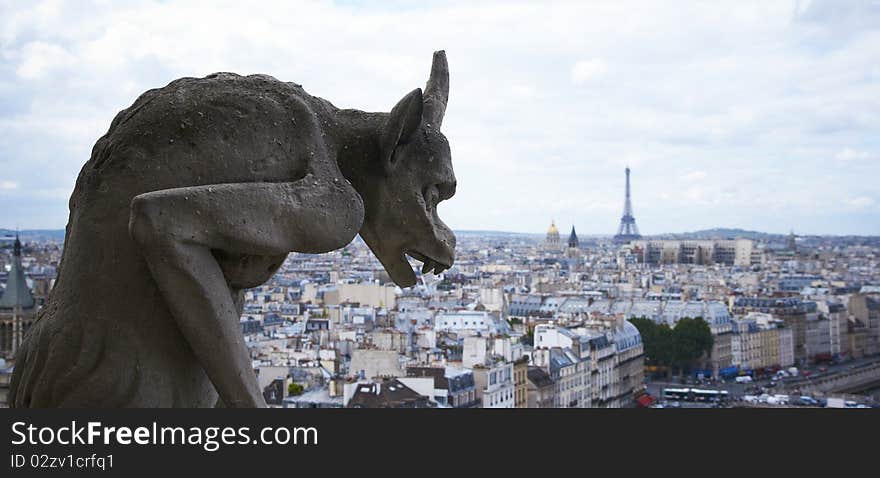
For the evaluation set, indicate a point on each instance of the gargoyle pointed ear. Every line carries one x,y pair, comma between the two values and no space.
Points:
402,122
437,90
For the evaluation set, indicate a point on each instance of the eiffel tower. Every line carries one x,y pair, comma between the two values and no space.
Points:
627,231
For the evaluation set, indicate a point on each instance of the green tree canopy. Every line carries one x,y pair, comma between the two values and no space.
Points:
295,389
692,338
681,346
657,340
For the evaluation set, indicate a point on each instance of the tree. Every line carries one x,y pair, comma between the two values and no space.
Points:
295,389
691,339
657,340
680,347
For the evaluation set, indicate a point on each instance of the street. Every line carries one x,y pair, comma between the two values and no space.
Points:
765,385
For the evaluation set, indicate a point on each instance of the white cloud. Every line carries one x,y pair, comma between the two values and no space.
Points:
8,185
523,91
746,98
848,154
695,176
586,70
861,202
39,59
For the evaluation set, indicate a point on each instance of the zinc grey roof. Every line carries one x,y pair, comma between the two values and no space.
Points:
539,377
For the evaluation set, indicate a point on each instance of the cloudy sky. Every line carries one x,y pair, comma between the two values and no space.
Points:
755,114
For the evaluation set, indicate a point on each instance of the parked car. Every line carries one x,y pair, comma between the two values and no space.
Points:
744,379
807,401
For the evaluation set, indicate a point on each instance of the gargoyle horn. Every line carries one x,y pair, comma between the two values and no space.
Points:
436,91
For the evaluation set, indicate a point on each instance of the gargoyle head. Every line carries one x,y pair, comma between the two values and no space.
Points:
401,213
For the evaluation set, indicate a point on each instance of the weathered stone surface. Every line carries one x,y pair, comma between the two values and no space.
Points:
199,190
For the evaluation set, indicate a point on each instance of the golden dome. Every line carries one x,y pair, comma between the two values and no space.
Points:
553,230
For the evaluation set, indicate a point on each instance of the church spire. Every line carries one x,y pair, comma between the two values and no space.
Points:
17,292
573,239
16,247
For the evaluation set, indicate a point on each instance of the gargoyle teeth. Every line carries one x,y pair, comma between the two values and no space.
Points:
438,267
428,264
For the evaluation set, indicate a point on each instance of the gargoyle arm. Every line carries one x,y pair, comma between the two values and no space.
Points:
178,229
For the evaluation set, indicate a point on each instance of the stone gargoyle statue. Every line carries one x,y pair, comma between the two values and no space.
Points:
200,190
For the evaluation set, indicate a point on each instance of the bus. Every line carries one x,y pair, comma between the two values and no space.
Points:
695,395
710,396
676,394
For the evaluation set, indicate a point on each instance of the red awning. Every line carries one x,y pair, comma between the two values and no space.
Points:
646,401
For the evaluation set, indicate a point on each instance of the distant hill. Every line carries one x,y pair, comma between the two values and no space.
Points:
32,235
716,233
721,233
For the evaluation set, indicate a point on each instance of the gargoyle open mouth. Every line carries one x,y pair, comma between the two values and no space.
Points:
428,262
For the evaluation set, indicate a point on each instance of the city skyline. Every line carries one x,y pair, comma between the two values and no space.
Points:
754,115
